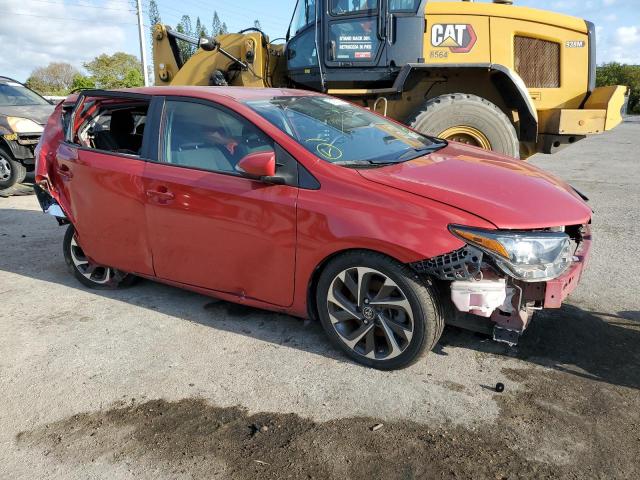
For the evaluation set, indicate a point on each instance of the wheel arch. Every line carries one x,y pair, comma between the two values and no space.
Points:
6,146
505,84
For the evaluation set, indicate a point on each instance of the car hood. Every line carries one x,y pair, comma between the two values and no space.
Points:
37,113
509,193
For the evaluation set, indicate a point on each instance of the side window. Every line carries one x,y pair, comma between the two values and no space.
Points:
209,138
111,124
403,5
347,7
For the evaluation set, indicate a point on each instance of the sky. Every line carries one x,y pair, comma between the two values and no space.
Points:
36,32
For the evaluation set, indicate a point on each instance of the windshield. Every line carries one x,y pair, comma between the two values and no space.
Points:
342,133
303,15
16,94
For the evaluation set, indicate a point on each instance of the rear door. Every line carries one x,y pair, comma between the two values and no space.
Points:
99,175
209,225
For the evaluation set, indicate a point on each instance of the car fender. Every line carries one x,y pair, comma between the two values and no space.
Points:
371,217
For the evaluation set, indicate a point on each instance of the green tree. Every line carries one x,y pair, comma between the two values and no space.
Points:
186,49
224,29
621,74
54,79
119,70
216,25
154,16
82,82
256,24
201,29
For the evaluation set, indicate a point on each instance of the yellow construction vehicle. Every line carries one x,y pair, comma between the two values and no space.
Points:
511,79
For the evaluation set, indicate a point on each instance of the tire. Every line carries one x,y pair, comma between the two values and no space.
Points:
464,115
407,305
89,274
12,172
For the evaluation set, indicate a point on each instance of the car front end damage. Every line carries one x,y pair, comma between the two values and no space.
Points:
501,277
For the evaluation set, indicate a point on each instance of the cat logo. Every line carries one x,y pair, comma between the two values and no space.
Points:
459,38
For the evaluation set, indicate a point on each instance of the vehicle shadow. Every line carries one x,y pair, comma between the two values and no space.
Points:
603,346
596,345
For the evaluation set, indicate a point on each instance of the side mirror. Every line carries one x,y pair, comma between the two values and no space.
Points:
261,165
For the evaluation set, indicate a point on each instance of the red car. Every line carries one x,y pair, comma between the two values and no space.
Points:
302,203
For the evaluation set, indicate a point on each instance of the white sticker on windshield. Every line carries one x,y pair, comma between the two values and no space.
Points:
13,84
336,101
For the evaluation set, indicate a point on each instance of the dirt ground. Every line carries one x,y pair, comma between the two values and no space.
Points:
155,382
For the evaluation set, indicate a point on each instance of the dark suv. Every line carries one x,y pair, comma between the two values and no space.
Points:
23,114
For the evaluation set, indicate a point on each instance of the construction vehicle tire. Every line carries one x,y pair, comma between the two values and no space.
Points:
468,119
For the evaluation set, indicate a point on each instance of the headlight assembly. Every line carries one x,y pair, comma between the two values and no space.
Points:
527,256
24,125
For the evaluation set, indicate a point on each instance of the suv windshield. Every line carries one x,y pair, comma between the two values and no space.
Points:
16,94
341,133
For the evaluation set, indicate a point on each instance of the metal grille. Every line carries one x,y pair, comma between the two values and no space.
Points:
462,264
537,62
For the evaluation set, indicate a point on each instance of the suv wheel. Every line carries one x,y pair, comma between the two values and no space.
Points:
88,273
377,310
11,172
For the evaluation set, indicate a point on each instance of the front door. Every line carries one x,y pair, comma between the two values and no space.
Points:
209,225
355,33
99,168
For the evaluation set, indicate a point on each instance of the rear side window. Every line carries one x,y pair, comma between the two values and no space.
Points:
111,124
209,138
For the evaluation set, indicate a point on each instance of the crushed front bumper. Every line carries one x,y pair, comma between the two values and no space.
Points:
507,315
558,289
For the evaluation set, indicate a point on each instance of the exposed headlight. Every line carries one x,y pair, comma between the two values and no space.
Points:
24,125
528,256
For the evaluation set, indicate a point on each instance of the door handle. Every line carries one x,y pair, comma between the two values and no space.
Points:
65,172
160,194
332,50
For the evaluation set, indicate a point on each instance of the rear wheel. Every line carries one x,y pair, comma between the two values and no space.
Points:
377,310
468,119
12,172
87,272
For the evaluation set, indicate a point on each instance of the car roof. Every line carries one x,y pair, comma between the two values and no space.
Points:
239,94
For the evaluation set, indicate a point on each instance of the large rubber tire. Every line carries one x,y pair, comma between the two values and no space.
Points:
116,278
428,318
17,172
465,110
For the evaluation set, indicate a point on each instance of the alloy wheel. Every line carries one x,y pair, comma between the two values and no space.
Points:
5,170
95,273
370,313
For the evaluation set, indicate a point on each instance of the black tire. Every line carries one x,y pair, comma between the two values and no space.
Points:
12,172
102,278
426,311
461,109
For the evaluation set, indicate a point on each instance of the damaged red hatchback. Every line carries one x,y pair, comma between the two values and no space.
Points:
303,203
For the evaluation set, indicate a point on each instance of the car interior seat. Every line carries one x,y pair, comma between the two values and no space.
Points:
189,147
120,137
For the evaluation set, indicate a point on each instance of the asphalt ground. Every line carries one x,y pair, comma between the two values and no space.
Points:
156,382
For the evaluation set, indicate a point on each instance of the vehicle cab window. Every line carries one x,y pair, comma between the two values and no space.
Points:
205,137
112,125
396,6
348,7
304,15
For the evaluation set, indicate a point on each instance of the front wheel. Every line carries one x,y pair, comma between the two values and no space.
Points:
377,310
12,172
87,272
